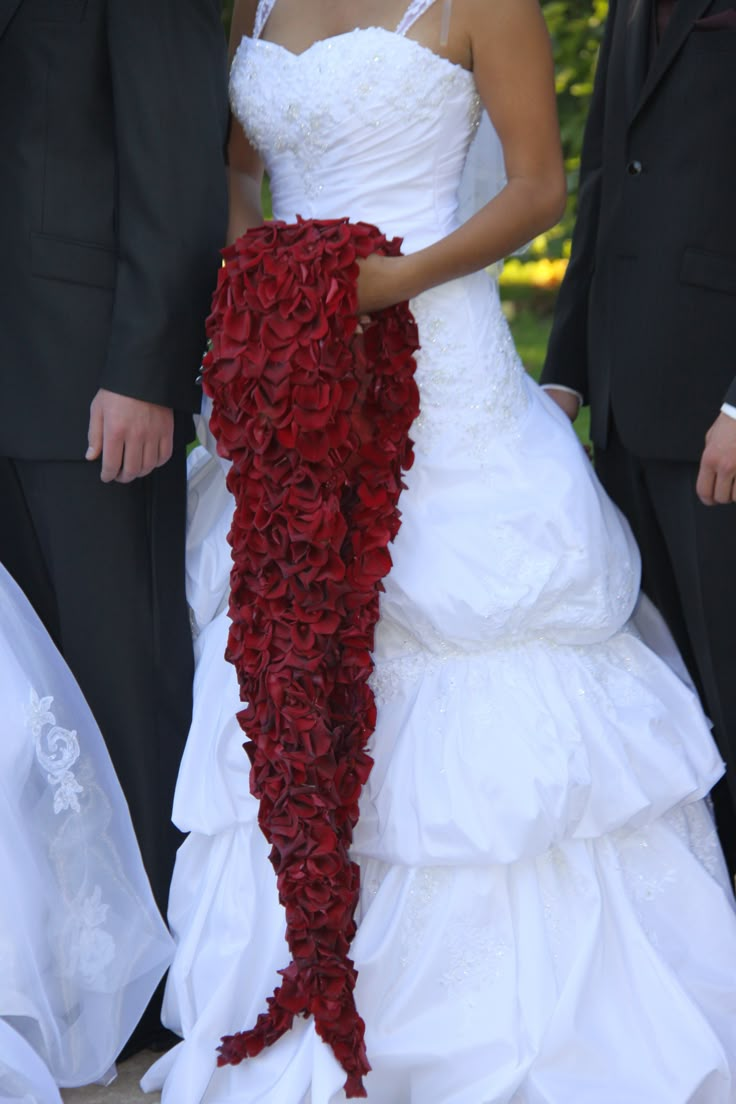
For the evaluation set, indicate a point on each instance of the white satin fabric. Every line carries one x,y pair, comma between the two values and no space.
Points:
545,917
82,946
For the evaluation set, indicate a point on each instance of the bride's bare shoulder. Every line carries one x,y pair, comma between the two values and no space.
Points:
508,29
243,21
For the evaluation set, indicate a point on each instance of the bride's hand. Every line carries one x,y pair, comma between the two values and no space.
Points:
380,283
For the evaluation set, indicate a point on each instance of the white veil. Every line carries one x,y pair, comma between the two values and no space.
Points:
484,175
82,945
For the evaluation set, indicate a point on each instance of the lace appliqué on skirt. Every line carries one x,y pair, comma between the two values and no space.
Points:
57,751
84,948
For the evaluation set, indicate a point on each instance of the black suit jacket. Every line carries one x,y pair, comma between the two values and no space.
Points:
113,117
645,325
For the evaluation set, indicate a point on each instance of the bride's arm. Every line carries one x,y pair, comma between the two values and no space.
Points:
514,74
245,168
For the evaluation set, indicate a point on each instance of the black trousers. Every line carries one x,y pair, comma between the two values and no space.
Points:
104,567
689,571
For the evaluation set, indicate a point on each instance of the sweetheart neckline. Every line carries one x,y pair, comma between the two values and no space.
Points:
361,30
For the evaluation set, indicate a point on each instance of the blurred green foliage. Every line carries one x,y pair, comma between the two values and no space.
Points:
576,27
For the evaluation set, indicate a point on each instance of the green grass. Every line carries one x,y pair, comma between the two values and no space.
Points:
530,319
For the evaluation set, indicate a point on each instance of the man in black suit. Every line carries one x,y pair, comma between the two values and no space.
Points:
113,117
645,327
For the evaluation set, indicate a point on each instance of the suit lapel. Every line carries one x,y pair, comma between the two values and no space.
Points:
636,52
684,14
7,11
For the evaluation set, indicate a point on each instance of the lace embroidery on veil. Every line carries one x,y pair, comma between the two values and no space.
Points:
57,751
82,945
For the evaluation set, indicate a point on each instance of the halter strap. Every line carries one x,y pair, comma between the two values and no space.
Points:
416,9
264,9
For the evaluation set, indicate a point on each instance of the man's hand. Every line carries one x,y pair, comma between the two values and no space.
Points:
717,476
567,402
133,437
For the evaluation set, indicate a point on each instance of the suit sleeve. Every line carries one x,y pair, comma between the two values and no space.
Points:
567,359
169,91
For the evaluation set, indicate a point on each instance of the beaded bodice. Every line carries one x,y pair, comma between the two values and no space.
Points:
369,124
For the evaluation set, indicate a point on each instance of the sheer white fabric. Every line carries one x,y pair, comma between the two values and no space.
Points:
484,172
82,946
544,912
24,1078
416,10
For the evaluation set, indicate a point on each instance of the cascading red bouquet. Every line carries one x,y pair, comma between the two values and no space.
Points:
314,412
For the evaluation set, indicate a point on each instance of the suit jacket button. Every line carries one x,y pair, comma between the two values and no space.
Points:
634,168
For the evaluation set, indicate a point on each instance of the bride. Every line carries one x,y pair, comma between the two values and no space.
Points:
544,916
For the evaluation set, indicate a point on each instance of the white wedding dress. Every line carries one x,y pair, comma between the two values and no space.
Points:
545,917
82,945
